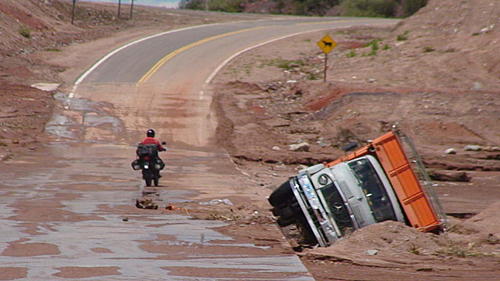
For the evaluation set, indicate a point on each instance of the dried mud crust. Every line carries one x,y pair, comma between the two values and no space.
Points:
439,85
23,114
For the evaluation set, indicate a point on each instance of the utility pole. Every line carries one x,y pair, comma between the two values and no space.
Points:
131,9
119,7
73,12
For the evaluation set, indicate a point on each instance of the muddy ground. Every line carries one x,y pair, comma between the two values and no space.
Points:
436,75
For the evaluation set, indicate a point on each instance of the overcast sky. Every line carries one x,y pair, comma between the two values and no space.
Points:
160,3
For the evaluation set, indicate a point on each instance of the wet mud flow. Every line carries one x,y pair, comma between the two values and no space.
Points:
70,210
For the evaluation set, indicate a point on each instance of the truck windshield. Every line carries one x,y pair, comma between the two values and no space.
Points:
373,189
337,208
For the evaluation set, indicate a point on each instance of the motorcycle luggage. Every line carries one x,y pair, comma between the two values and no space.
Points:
136,165
150,150
159,164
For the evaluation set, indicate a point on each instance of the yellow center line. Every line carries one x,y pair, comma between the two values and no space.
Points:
321,22
169,56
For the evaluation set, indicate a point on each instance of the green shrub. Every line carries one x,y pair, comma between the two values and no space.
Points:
368,8
373,44
428,49
403,36
231,6
386,47
313,76
287,64
351,54
412,6
25,32
52,50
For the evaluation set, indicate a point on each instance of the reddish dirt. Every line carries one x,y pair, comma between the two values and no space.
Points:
436,75
20,249
86,272
12,273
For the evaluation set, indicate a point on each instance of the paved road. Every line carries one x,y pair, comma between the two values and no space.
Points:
68,211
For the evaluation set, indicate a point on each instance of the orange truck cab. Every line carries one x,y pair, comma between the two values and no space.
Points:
372,184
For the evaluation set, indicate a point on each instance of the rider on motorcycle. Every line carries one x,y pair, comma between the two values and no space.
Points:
148,160
150,139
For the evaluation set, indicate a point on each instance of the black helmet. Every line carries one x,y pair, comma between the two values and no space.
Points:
150,133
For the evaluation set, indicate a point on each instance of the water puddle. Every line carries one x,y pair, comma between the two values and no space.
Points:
76,119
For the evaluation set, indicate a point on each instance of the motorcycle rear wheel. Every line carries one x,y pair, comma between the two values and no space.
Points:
148,181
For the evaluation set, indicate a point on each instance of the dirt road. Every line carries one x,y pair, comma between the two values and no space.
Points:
69,209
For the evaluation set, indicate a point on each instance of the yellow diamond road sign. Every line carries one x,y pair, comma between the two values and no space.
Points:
327,44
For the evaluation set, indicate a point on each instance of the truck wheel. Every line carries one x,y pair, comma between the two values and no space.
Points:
285,212
285,221
281,195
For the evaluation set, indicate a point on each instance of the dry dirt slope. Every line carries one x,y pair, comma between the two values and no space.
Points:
437,75
441,85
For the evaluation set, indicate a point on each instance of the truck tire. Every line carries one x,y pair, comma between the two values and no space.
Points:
281,195
285,221
284,212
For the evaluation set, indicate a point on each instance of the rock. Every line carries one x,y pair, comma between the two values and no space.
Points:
303,146
473,148
146,204
276,148
487,29
48,87
492,148
477,86
449,176
214,202
450,151
372,252
372,80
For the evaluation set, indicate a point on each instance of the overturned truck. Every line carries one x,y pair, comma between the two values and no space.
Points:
372,184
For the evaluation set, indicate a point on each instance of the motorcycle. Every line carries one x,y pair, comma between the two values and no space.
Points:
149,162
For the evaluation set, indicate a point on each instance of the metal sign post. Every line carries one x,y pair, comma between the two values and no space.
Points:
326,44
326,67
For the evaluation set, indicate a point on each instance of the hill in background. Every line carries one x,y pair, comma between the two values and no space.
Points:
363,8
